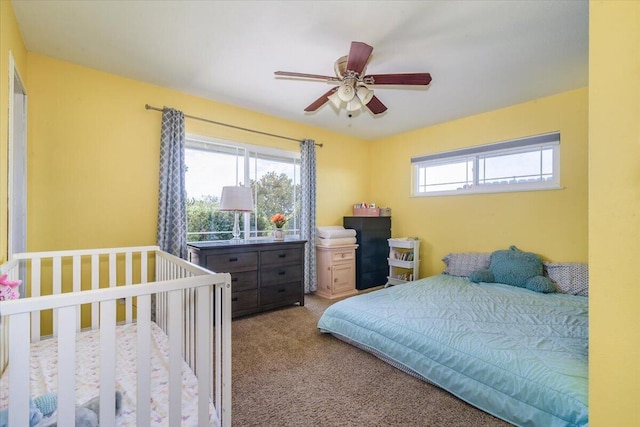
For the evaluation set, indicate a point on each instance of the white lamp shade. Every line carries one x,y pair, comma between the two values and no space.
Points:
346,92
335,100
365,94
236,199
354,104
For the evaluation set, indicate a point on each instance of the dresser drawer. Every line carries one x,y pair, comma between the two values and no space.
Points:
374,278
244,280
275,275
281,256
243,301
264,274
372,263
280,294
375,244
232,261
346,255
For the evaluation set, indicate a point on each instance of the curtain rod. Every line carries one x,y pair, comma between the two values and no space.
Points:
149,107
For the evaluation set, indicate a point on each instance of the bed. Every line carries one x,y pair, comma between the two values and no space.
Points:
135,320
519,355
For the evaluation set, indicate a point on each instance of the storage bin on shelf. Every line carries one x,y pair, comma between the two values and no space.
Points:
366,212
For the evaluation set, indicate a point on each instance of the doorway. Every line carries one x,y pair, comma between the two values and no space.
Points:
17,162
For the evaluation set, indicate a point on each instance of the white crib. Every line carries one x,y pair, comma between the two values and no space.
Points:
101,289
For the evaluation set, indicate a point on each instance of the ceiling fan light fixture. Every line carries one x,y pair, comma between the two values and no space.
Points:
354,104
346,92
364,94
335,100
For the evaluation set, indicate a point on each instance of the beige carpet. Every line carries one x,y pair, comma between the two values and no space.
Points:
286,373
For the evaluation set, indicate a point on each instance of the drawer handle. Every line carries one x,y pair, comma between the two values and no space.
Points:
234,299
233,259
282,273
282,255
281,291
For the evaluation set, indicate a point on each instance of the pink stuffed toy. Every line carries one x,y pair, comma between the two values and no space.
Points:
8,288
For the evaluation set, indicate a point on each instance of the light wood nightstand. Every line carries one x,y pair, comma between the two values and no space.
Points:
336,271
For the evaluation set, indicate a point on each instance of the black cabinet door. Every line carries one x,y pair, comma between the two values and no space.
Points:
371,256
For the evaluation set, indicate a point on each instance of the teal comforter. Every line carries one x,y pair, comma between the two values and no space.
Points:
519,355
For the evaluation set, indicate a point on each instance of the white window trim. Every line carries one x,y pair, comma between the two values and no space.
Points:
511,146
200,142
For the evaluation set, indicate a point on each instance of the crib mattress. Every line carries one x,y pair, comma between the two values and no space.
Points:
517,354
43,377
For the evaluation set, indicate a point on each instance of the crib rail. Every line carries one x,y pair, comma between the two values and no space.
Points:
185,297
171,267
105,266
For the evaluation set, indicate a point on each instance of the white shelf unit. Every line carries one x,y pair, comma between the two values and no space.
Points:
404,260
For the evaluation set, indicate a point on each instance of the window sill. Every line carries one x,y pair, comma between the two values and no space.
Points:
490,189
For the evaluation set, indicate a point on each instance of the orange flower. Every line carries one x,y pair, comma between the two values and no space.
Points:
278,220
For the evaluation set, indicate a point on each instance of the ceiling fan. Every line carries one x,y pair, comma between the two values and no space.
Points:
352,83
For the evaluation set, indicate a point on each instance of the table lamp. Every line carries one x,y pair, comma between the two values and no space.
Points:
236,199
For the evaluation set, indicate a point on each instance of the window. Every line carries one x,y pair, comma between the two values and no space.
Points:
531,163
274,177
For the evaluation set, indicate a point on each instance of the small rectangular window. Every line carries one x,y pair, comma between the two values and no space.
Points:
531,163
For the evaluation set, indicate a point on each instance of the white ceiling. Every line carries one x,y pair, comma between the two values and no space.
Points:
482,55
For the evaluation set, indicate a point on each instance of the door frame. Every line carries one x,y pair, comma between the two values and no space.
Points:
17,173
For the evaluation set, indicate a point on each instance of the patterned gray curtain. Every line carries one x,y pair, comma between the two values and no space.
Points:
172,210
308,212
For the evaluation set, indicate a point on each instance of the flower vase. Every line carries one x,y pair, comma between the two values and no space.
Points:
278,235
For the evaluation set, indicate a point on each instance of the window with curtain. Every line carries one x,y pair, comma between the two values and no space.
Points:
272,174
531,163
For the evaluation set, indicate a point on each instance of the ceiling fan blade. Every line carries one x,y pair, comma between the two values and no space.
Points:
358,57
320,101
376,106
420,79
306,76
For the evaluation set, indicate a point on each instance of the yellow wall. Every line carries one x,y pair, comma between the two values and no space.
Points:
614,213
94,150
10,41
93,178
551,223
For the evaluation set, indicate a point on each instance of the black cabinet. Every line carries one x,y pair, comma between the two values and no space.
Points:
371,256
264,274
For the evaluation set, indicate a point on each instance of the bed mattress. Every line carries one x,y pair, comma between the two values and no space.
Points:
43,377
519,355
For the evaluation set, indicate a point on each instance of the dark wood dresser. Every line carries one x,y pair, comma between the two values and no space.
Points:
264,274
372,233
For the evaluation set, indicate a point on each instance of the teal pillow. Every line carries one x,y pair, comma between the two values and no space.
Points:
482,276
514,267
541,284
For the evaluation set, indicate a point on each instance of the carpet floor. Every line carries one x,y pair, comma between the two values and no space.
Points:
286,373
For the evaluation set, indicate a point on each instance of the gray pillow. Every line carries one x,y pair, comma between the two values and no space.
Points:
570,277
463,264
